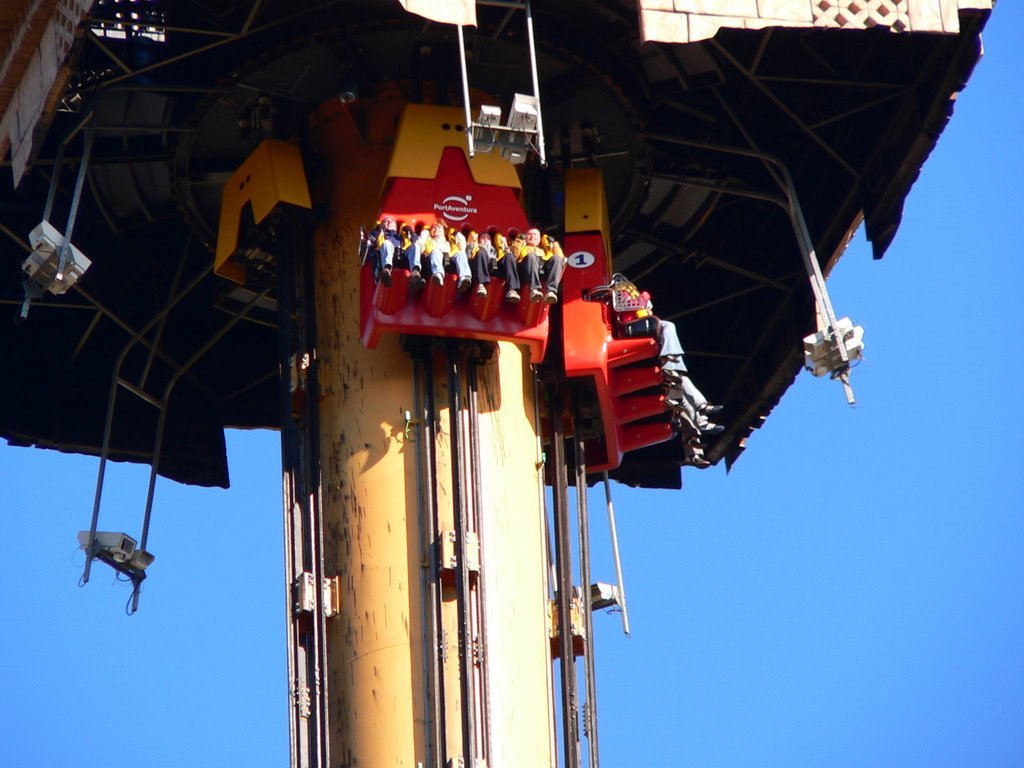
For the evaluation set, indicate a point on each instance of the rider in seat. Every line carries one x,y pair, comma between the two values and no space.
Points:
633,314
539,258
390,244
445,251
483,259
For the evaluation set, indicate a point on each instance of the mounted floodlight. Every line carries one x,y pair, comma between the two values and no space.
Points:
523,116
824,352
54,264
490,116
485,129
603,596
522,126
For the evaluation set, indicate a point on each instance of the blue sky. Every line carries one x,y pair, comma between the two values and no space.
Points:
852,594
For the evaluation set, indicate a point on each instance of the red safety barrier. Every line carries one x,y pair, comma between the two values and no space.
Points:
618,368
440,310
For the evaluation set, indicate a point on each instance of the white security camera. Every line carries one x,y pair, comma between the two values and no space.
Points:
119,547
141,560
47,267
604,596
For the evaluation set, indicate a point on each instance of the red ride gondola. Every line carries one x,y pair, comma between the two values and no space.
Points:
443,185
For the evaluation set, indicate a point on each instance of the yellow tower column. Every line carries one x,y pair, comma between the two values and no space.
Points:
371,505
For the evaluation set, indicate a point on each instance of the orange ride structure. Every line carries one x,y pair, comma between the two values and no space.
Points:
191,200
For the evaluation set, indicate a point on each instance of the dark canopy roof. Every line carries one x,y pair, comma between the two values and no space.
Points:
852,114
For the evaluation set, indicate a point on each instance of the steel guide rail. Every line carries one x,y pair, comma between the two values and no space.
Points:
300,461
564,586
426,469
462,587
583,531
481,673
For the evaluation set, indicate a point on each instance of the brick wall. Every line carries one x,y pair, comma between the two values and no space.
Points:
683,21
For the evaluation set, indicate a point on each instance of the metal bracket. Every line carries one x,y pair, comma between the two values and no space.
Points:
302,700
449,554
332,596
576,615
300,365
305,593
410,422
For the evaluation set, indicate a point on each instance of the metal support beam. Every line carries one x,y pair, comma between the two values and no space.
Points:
563,584
727,266
784,108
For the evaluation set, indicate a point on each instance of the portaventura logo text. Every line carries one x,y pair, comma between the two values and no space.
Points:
456,208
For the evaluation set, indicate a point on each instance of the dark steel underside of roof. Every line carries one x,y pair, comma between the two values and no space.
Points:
853,114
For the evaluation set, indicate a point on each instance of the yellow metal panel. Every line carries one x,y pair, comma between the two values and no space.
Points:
586,209
512,541
372,512
369,497
271,175
425,131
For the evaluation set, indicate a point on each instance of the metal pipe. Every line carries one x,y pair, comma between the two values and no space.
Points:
536,86
300,465
563,561
615,553
65,246
472,385
307,281
541,462
51,194
158,443
787,111
462,569
583,532
163,321
139,393
76,197
59,162
298,727
111,399
465,91
161,422
780,174
791,206
426,476
552,579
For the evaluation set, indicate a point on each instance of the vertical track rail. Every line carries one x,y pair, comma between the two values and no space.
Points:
426,472
462,570
480,602
583,530
304,560
563,591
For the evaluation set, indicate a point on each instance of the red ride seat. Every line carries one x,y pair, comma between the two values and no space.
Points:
440,310
617,368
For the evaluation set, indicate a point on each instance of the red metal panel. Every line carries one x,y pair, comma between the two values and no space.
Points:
439,310
591,350
625,381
